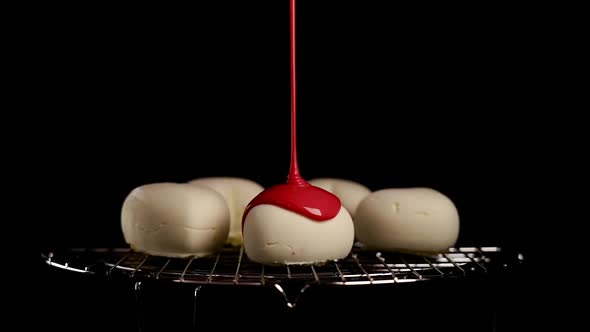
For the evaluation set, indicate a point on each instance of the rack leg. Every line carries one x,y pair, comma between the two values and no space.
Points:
139,306
195,298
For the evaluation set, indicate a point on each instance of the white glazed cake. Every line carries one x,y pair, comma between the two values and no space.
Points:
414,220
349,192
237,192
273,235
175,220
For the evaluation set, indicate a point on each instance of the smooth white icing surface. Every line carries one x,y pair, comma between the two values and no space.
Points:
409,219
273,235
349,192
175,220
237,192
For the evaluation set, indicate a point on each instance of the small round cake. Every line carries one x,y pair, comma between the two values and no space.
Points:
412,220
237,192
350,193
273,235
175,220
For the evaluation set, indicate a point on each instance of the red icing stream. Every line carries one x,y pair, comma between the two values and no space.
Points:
297,195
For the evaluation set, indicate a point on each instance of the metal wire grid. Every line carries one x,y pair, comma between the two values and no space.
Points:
232,266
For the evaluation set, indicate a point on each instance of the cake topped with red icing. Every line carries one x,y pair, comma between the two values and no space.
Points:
295,222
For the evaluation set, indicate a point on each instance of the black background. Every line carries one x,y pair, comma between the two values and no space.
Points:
447,98
469,100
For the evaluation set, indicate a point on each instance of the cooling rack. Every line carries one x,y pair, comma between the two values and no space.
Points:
232,267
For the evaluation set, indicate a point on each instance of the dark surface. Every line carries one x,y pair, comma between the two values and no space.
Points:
389,97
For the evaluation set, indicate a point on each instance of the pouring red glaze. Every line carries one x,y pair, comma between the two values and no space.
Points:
297,195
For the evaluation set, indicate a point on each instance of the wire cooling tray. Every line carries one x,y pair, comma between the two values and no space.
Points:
231,266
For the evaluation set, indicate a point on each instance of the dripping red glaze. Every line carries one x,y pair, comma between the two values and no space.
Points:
305,199
297,195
